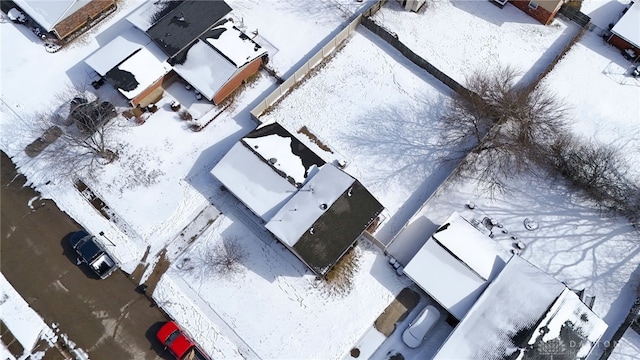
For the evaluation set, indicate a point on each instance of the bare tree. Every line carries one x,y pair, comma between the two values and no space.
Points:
77,135
600,172
506,129
225,258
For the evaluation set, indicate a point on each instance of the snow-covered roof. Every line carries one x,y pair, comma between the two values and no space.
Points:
214,58
284,152
628,27
205,69
266,168
309,204
478,251
233,43
456,263
142,16
48,13
446,279
253,181
118,49
139,71
524,310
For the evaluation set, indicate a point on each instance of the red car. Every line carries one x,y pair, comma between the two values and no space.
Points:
178,343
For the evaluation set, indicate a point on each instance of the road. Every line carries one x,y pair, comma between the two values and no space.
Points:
107,318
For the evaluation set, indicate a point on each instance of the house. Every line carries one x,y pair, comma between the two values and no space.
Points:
187,39
525,314
219,61
542,10
64,17
133,65
312,207
204,47
456,264
625,34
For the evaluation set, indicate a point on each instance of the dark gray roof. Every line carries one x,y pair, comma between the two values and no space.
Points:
185,23
338,228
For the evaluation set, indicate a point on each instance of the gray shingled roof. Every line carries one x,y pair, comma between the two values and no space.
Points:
185,23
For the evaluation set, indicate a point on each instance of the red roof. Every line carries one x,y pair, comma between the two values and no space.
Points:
171,336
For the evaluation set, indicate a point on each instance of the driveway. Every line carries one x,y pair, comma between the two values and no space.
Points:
107,318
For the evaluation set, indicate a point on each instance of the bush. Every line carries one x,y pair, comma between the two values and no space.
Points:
184,115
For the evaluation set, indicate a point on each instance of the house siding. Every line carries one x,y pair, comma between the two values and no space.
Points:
236,80
81,17
164,81
544,13
622,44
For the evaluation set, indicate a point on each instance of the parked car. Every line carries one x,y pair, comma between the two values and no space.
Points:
178,343
636,71
90,252
16,16
420,326
629,54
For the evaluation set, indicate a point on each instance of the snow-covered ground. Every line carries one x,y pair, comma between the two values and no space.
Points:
280,310
372,108
26,326
484,37
628,347
378,111
595,82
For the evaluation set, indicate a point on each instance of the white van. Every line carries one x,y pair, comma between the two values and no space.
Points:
420,326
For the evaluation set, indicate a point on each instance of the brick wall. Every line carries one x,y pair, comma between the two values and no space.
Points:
540,14
622,44
83,16
237,80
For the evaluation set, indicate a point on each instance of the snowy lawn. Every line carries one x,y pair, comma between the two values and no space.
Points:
378,111
280,310
26,326
628,347
483,38
594,80
293,30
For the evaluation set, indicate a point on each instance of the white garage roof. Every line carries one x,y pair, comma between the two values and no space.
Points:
118,49
456,264
628,27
